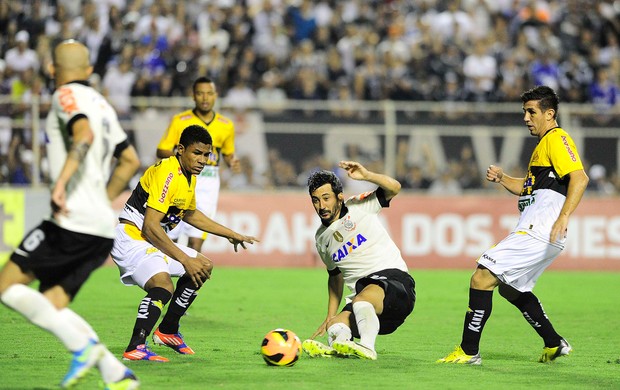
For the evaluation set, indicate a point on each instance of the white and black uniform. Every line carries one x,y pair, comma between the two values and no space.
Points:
65,249
359,246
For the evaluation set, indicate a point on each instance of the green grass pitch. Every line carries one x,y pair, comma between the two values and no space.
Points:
237,307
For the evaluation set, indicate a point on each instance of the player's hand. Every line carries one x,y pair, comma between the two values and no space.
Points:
59,200
235,165
240,239
559,229
494,174
321,329
198,269
355,170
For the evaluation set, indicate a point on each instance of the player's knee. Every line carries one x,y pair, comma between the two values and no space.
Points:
483,279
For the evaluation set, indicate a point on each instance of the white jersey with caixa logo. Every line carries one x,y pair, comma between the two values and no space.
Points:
357,243
90,210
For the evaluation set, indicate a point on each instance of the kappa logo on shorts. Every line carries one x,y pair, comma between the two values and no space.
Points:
489,258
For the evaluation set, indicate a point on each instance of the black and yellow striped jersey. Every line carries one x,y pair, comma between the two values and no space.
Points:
546,184
165,188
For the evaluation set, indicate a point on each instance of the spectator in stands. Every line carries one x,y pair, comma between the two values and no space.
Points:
480,71
240,97
247,179
302,20
545,70
270,97
575,78
21,57
604,93
117,85
447,182
599,183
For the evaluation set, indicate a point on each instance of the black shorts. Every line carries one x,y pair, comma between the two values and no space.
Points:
399,299
60,257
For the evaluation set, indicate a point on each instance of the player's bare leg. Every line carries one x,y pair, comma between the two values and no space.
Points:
195,243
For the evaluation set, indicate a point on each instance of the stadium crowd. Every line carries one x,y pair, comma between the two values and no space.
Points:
271,50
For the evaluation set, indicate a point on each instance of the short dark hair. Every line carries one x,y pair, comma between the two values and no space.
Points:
202,80
195,134
546,96
322,177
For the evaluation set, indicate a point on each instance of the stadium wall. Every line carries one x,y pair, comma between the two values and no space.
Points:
432,232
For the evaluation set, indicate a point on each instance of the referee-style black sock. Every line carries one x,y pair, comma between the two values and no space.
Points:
535,315
478,312
148,314
183,296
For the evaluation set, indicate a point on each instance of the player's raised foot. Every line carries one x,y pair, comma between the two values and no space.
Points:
142,352
174,341
551,353
127,382
353,349
315,348
83,360
458,356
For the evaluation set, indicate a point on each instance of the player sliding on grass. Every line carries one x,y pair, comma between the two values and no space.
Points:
358,252
148,258
548,195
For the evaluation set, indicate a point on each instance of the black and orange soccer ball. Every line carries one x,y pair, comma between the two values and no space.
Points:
281,347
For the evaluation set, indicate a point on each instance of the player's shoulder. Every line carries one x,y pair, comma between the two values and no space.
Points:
557,132
168,167
184,116
222,120
558,136
359,198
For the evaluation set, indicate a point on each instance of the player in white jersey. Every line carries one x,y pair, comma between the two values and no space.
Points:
548,195
358,251
84,135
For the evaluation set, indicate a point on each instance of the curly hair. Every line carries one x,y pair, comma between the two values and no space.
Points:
195,134
322,177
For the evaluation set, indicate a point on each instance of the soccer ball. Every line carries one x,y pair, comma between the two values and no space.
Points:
281,347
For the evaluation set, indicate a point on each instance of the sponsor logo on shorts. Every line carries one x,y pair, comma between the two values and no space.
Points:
488,258
164,191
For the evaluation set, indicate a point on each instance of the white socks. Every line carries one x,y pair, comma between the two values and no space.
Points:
110,367
338,332
41,312
367,323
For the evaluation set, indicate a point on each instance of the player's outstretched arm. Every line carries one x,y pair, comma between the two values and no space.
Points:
496,174
197,219
335,288
357,171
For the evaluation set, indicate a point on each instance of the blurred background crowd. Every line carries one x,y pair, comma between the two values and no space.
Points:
274,50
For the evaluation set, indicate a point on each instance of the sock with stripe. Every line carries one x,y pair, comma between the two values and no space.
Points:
149,311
